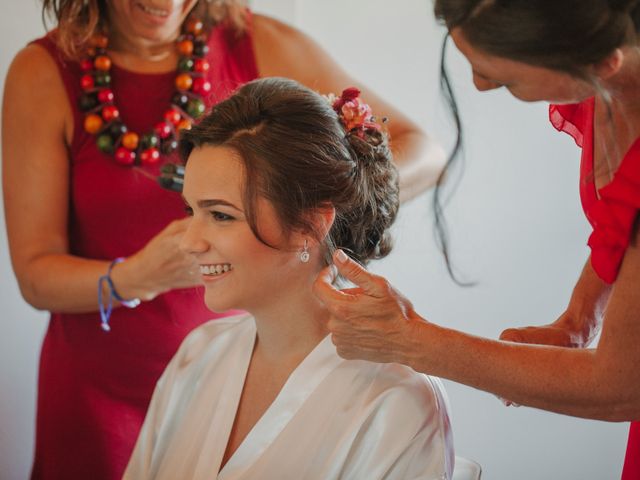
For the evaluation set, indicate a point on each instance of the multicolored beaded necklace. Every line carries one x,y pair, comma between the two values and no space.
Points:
102,117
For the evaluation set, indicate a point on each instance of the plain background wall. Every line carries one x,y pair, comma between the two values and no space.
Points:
515,220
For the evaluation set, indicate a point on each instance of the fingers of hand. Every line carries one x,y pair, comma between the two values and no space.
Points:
357,352
508,403
323,287
180,225
512,335
543,335
351,270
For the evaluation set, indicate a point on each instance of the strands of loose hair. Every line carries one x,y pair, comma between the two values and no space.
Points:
440,223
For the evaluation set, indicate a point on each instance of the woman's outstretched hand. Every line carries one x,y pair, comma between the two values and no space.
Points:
559,333
371,321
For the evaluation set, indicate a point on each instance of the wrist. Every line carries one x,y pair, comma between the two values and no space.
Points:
580,328
417,345
127,282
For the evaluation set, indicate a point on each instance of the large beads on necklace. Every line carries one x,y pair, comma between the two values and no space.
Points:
87,101
130,140
185,64
201,86
125,156
184,81
102,62
110,112
102,79
105,143
150,140
105,95
150,156
185,47
102,117
195,107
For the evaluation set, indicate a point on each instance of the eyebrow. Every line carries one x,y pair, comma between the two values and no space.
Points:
207,203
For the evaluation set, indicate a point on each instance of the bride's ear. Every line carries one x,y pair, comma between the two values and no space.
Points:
322,219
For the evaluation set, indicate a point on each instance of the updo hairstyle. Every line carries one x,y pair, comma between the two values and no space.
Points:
297,155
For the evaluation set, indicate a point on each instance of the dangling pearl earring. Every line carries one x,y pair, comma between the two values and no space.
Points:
304,255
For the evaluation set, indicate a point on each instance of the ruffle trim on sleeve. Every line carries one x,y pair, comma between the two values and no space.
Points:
613,216
569,119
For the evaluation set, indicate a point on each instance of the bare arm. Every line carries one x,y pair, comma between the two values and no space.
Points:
283,51
579,323
37,128
374,322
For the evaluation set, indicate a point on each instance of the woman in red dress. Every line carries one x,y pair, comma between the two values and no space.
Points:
91,112
583,57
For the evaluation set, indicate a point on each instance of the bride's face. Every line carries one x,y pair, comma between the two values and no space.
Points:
238,270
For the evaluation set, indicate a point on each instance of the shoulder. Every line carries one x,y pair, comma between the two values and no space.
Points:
408,387
34,80
408,412
33,58
283,50
272,31
399,389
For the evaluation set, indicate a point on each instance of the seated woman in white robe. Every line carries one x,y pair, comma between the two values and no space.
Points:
277,177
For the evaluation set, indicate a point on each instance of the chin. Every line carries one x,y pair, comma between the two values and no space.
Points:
219,305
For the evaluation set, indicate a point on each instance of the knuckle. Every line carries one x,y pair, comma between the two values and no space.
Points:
383,284
342,311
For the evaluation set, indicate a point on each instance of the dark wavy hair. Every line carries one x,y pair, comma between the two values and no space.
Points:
77,21
564,35
297,155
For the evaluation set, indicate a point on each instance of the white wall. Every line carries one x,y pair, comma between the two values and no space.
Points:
516,229
21,327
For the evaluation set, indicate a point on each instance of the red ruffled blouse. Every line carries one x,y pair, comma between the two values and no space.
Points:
612,211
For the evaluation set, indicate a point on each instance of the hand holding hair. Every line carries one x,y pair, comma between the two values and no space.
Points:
159,266
371,321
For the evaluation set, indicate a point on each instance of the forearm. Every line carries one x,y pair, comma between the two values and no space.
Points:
419,159
68,284
563,380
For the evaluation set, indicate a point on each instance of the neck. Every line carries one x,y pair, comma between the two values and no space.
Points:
136,53
288,330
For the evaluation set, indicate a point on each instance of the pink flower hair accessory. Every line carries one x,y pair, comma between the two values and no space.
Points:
355,115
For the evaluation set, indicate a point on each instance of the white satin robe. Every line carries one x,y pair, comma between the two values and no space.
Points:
333,419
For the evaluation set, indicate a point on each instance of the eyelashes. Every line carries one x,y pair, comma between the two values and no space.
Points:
216,215
221,217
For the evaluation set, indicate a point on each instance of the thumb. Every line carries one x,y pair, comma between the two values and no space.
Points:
512,335
357,274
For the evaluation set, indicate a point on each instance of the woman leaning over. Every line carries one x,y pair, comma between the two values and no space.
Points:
583,57
90,113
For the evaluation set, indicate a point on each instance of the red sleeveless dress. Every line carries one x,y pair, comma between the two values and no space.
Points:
612,212
94,387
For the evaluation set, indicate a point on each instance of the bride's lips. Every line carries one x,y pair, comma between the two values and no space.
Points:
215,271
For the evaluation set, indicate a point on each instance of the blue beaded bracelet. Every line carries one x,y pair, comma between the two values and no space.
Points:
105,311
